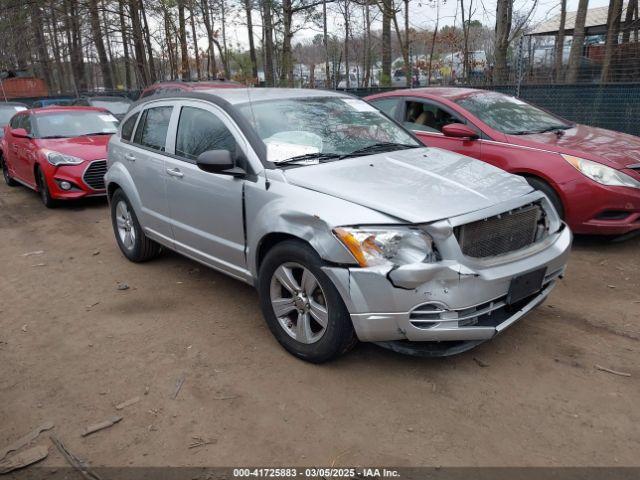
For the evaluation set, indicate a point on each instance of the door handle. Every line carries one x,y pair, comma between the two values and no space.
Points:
175,172
129,157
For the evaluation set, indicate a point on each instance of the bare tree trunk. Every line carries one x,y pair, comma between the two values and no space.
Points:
147,38
125,46
74,36
346,43
55,44
407,65
286,74
575,54
223,21
138,42
185,74
613,31
325,43
98,41
209,27
195,40
504,11
268,43
465,34
248,6
366,80
38,34
387,12
560,42
108,40
169,29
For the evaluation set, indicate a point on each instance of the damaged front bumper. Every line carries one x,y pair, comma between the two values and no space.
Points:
459,300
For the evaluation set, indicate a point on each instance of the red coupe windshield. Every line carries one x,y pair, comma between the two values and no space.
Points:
74,124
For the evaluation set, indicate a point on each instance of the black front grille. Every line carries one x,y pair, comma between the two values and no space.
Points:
501,234
94,175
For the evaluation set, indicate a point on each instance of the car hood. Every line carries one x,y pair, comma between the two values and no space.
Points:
416,185
618,150
87,148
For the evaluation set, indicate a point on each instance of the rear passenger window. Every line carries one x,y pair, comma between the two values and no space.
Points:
127,127
152,128
199,131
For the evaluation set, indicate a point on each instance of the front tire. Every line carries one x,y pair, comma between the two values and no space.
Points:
133,243
302,307
43,190
6,175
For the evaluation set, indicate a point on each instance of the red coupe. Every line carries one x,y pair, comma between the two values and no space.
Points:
60,152
591,175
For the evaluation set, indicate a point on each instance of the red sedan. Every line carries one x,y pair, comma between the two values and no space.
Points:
177,86
60,152
591,175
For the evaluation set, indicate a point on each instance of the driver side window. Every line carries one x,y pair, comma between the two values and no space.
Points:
426,117
199,131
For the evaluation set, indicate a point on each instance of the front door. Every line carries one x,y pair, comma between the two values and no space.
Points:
22,152
426,119
206,208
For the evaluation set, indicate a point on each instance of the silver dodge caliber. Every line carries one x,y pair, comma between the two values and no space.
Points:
348,227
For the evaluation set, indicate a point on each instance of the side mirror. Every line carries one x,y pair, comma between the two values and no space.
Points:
20,133
459,130
219,161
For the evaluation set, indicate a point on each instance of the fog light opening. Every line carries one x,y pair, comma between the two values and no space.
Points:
64,185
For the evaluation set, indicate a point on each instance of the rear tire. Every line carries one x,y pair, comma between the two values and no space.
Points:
133,243
548,190
6,175
43,190
313,323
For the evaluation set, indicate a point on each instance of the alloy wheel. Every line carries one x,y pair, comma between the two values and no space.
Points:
299,303
126,228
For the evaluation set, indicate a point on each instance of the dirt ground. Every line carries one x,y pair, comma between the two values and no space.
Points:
72,346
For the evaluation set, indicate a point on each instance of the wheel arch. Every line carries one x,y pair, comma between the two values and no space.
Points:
272,239
544,179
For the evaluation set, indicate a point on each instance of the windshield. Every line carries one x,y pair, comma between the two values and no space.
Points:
329,126
75,124
510,115
8,111
117,107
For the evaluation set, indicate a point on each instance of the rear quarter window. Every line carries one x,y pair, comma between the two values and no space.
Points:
127,127
387,105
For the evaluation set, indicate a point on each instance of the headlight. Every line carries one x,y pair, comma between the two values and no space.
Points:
601,173
380,246
57,158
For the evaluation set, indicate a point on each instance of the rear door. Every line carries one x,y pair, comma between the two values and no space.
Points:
144,156
206,208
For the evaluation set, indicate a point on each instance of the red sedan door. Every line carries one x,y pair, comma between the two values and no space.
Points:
426,118
25,152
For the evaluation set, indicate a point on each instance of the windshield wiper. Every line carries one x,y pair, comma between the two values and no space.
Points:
308,156
96,133
554,128
53,136
379,148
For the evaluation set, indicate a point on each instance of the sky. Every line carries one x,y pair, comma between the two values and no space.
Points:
423,16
